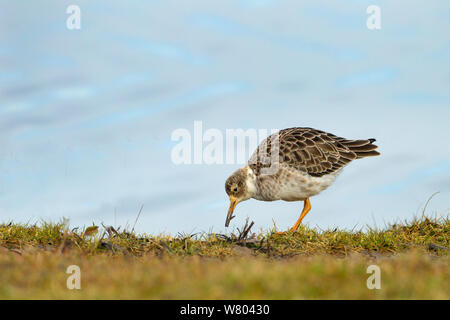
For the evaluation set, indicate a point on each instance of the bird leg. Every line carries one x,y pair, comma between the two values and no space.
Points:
306,208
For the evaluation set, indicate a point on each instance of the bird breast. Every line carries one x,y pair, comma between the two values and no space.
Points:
290,184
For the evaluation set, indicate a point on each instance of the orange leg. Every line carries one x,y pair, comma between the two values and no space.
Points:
306,208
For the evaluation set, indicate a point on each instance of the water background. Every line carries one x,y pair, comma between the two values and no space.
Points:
86,115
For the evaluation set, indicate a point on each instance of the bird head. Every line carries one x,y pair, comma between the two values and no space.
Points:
240,186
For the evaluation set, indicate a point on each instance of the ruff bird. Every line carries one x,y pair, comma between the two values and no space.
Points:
293,165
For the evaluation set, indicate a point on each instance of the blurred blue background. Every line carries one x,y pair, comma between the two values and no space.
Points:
86,115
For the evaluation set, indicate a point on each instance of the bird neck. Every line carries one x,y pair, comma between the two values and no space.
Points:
250,181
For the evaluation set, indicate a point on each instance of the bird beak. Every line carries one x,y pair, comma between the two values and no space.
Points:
233,203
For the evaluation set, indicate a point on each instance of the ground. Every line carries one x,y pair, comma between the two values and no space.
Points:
116,264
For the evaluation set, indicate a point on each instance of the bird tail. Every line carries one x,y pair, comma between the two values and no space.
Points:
362,148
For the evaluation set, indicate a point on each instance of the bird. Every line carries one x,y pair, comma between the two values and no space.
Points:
294,164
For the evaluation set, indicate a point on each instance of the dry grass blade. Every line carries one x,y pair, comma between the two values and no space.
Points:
428,201
135,221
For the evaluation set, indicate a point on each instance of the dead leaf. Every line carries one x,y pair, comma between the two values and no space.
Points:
91,231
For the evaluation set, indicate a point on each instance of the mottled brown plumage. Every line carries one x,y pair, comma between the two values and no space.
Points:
312,151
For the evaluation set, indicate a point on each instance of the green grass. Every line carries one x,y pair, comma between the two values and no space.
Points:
413,258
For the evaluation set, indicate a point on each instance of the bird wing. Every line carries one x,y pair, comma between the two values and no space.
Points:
312,151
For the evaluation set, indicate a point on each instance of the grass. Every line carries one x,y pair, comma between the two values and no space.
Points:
412,256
